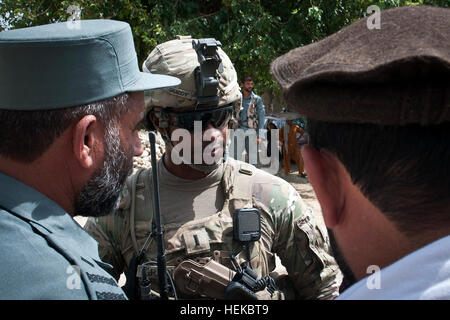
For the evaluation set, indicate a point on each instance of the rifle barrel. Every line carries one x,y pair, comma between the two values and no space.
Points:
161,258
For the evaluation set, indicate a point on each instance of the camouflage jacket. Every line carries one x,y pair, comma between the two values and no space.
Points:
288,228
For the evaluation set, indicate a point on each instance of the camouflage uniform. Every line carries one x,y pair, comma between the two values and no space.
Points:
288,228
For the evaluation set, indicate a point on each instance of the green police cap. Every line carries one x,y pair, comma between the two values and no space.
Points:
68,64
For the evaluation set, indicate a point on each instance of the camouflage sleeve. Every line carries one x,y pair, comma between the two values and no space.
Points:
108,232
301,241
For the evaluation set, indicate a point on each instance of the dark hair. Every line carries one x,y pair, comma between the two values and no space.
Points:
247,79
26,135
404,171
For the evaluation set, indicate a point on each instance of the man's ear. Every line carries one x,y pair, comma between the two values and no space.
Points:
322,168
85,137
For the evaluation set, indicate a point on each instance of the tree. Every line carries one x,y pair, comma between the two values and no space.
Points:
253,33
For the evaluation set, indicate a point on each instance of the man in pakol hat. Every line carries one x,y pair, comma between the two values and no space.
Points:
70,102
378,108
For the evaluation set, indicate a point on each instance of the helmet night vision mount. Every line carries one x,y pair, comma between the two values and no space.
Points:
206,75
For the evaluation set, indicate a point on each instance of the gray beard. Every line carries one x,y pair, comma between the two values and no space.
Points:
101,194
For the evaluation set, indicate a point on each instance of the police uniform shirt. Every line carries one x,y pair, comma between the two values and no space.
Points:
44,253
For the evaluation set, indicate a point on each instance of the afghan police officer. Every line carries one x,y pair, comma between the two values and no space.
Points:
71,95
200,200
378,108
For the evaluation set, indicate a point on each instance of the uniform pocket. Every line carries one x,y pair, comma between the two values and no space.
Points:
196,241
311,243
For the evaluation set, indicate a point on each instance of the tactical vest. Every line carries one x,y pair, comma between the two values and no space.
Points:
203,239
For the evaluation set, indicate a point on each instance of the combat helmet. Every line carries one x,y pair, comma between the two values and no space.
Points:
209,90
179,58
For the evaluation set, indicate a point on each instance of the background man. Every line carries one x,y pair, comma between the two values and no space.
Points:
251,116
378,103
198,200
70,103
290,146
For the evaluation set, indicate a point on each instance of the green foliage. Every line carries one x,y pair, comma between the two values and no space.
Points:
252,32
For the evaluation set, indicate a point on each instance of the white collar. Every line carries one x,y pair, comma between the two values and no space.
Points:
422,274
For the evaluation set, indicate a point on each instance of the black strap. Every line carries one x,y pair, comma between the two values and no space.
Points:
131,286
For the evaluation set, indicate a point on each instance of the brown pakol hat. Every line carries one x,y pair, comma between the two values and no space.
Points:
396,75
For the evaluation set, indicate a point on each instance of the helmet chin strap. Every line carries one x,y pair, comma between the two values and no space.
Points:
206,168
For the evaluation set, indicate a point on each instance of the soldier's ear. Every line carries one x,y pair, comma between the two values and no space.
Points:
154,120
87,138
323,172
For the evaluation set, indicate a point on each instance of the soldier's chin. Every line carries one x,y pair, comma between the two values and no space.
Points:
207,157
210,162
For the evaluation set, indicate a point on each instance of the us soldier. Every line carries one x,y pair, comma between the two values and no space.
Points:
70,100
378,108
198,200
